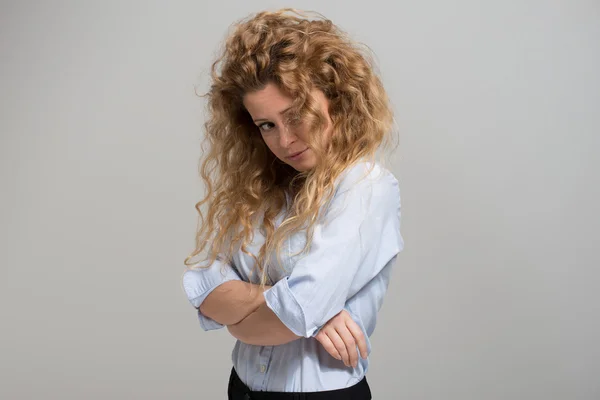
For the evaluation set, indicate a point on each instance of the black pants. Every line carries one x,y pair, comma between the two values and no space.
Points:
238,390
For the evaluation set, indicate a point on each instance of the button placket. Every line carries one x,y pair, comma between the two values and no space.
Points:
263,367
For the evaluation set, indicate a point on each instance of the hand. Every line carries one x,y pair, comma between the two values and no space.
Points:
340,336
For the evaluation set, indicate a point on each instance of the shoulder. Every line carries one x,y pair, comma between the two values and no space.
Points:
366,177
365,188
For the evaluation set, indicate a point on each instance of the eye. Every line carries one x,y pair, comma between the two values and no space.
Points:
266,126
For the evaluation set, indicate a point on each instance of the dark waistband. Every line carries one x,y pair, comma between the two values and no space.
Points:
359,391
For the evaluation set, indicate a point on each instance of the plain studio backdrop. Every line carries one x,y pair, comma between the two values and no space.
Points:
496,295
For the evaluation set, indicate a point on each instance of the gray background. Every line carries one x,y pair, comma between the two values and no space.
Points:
495,295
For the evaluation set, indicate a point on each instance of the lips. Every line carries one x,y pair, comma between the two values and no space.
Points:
296,154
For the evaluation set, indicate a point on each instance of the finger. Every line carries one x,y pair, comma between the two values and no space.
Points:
339,345
328,345
359,337
350,344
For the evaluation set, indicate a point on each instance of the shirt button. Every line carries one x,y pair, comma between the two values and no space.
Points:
263,368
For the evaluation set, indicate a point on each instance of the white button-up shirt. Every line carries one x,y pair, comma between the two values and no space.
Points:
348,267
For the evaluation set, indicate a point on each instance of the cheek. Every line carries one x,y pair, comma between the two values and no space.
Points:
301,132
272,143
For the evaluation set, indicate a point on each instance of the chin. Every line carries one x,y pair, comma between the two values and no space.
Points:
302,165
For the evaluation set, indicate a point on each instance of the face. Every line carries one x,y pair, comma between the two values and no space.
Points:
268,107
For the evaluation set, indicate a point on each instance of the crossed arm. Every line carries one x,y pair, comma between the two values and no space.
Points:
340,336
241,306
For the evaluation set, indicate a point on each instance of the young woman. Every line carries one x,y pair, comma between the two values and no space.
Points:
301,225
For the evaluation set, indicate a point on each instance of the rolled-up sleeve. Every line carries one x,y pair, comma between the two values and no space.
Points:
354,240
198,283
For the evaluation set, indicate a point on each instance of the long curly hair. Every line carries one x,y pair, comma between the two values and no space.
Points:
246,185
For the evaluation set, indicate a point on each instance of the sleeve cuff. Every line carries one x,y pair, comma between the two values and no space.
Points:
208,324
199,283
282,302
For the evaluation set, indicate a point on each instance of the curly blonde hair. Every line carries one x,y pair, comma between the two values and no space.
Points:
244,181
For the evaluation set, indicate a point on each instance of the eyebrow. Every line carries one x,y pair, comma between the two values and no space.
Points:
280,113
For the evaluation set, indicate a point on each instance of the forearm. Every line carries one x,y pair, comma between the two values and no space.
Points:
232,301
262,328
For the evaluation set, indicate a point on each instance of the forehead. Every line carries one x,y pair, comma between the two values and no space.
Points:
269,100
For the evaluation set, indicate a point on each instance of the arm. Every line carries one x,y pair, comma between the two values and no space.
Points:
220,295
262,328
232,301
358,236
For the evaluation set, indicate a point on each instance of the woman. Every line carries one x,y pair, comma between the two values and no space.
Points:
301,225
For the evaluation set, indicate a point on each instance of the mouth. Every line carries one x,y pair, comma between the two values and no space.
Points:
296,155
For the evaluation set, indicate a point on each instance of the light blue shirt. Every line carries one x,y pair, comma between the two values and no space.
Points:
354,246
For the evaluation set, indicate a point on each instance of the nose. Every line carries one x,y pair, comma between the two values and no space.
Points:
287,137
